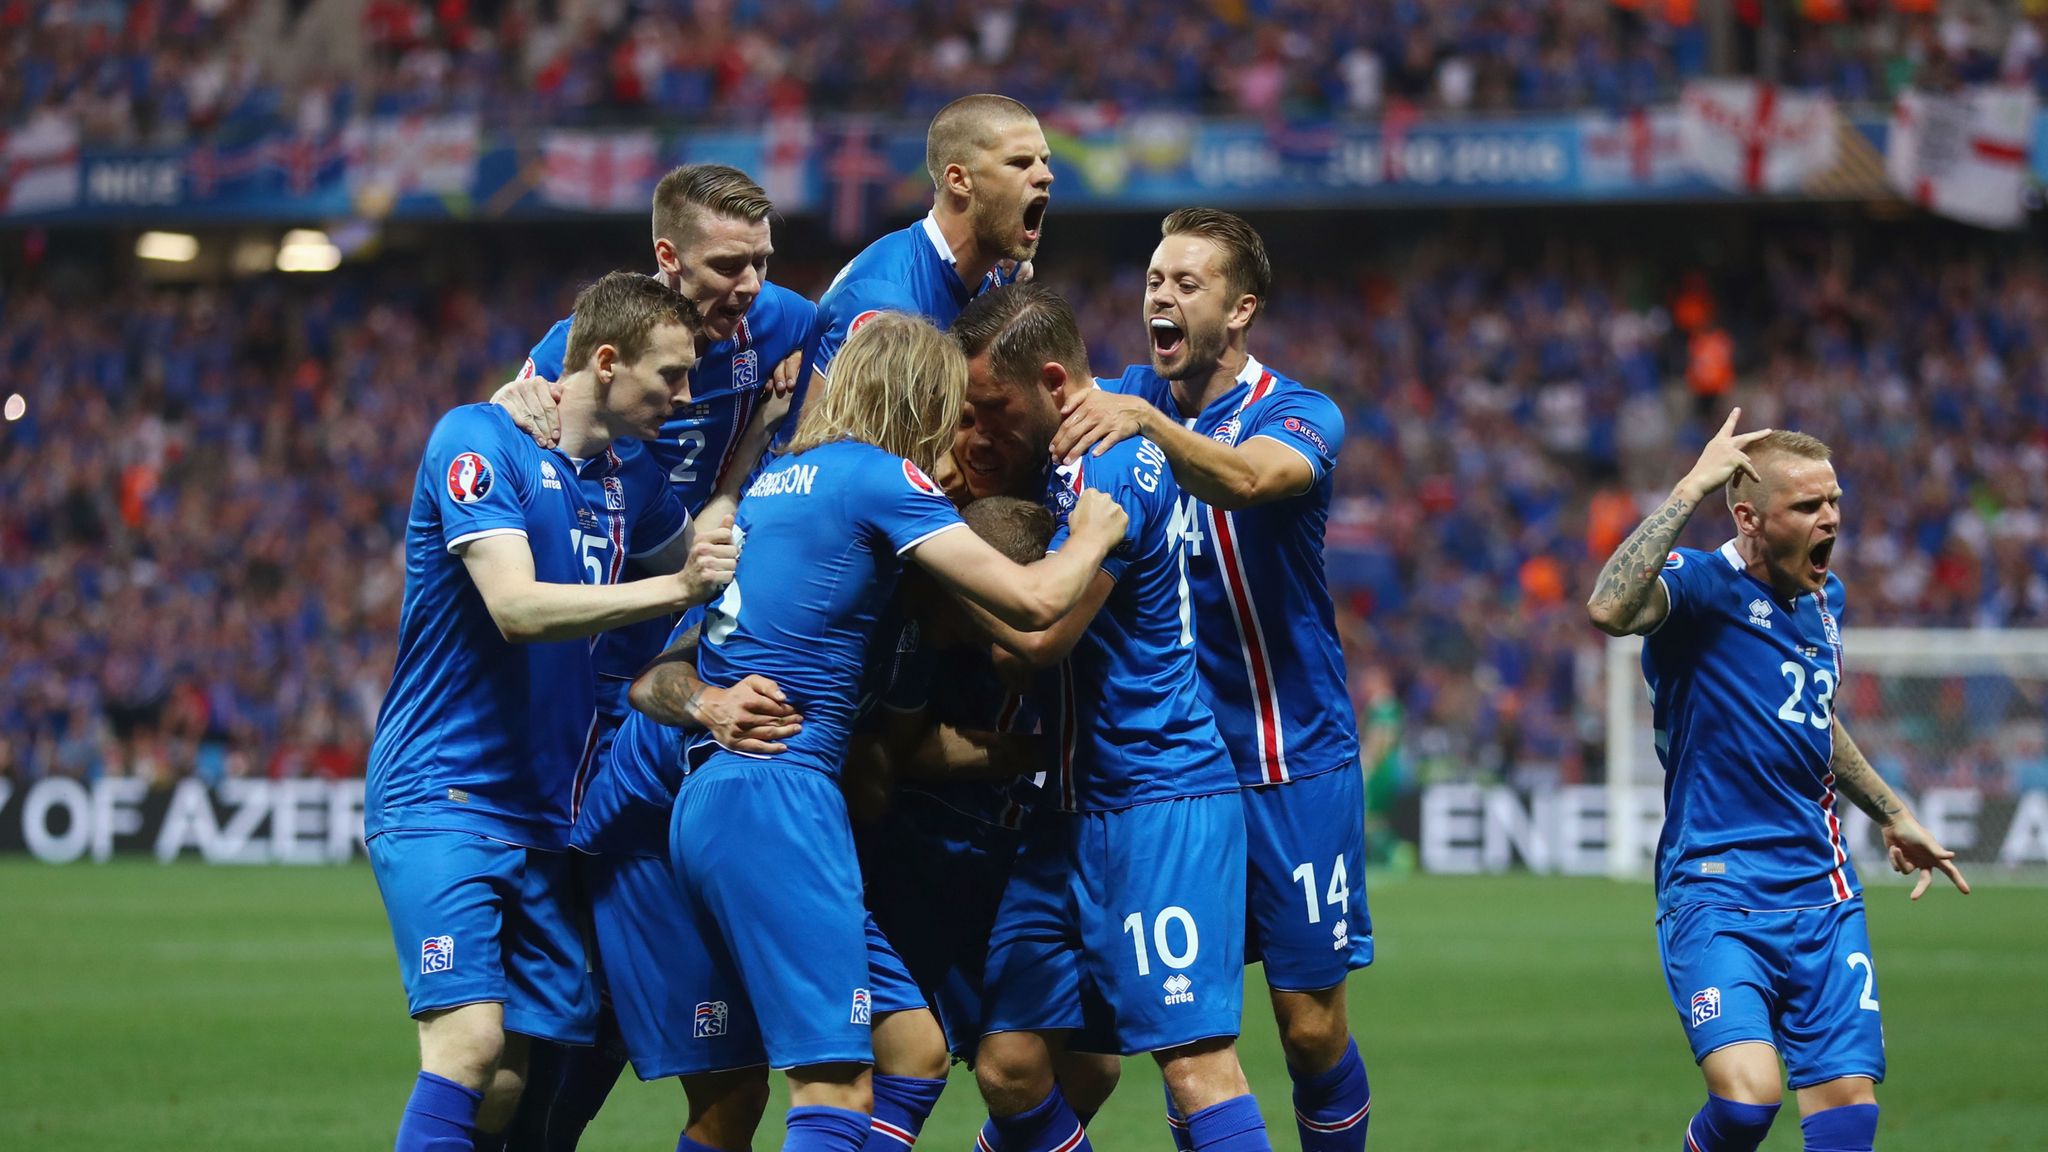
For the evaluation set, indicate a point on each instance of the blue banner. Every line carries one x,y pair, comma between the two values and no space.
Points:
851,171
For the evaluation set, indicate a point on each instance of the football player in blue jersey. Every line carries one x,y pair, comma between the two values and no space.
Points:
467,806
1760,917
827,529
1253,453
992,179
1122,928
712,243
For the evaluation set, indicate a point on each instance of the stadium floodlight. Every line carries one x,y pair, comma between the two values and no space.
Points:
307,250
170,247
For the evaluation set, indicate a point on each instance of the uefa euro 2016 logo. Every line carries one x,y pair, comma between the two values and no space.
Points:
710,1020
469,478
437,954
1706,1005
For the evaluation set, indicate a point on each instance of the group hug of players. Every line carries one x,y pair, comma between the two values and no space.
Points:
960,705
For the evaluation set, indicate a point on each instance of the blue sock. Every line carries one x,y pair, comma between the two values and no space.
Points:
816,1128
902,1105
1048,1126
1725,1126
1850,1128
1177,1125
685,1144
1333,1109
440,1116
1232,1126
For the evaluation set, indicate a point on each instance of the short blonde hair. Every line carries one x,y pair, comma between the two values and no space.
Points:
1743,490
898,384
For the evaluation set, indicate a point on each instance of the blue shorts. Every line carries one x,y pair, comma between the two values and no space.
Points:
1126,927
478,921
663,976
1305,910
935,878
765,862
1799,981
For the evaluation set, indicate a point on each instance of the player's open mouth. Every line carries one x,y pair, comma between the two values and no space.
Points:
1034,217
1166,337
1819,555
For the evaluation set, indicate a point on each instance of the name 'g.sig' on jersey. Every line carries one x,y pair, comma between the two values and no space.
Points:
1272,665
1743,685
1124,711
823,535
479,734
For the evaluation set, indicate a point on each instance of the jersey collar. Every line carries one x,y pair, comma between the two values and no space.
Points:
938,238
1240,397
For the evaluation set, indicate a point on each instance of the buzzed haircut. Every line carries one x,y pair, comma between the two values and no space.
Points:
1743,490
623,309
966,127
718,189
1022,327
1020,529
1245,266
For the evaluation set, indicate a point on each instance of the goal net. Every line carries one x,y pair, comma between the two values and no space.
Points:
1955,720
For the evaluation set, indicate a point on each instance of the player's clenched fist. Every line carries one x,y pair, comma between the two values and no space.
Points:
1722,460
1098,520
714,556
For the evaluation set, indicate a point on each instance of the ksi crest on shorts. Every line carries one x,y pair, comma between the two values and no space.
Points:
1706,1005
437,954
710,1020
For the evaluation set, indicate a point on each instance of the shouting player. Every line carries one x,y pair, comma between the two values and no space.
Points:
992,180
1122,928
828,529
467,806
1252,451
1760,920
712,243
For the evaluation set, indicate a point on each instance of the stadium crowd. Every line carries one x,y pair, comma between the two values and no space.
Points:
165,71
199,549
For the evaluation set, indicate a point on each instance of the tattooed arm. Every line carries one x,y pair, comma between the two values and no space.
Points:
1908,845
1629,599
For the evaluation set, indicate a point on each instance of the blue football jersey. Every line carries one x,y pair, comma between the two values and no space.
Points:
911,270
479,734
824,534
959,686
1743,687
1124,709
693,451
641,516
1272,665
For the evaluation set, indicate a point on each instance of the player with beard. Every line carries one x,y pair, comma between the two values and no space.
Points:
1253,452
1759,917
1122,927
992,179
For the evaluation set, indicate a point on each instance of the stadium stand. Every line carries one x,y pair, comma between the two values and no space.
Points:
207,489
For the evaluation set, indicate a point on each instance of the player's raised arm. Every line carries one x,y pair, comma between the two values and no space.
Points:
1029,597
1908,844
1629,599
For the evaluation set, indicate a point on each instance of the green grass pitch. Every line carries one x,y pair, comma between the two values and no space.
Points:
185,1007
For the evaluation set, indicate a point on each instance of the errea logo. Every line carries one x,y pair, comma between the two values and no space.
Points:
1760,613
1179,989
549,478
